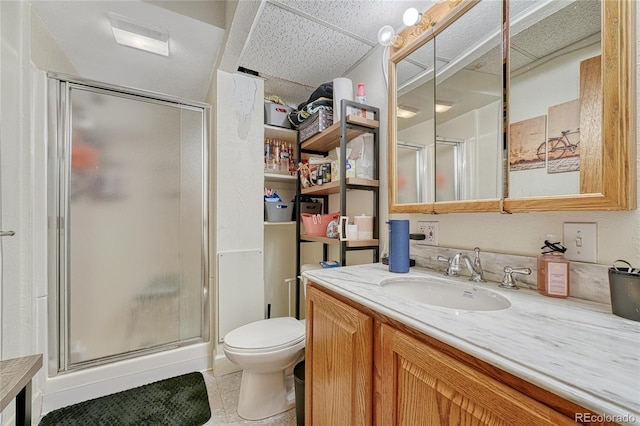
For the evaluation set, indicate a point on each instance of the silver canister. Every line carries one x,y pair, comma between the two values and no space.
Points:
624,285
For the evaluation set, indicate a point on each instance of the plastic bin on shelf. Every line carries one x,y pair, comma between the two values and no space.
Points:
278,212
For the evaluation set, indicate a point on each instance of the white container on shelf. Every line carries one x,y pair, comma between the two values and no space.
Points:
365,226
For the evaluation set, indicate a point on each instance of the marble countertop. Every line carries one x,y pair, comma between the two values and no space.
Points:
574,348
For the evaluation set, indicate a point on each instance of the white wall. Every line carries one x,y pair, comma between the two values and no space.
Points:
15,113
23,276
238,202
369,72
25,43
520,233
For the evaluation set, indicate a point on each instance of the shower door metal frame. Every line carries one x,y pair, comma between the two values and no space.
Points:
420,167
58,175
458,165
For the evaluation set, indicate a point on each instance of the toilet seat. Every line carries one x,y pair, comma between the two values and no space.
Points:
265,335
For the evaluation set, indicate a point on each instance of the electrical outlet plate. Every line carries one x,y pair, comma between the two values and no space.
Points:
581,242
430,230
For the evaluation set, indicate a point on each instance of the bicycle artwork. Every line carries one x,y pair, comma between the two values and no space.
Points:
562,152
559,147
524,143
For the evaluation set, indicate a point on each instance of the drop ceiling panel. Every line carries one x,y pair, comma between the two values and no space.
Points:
575,22
407,71
291,93
311,55
489,63
518,60
361,18
482,21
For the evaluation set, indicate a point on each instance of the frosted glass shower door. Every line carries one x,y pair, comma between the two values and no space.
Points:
410,173
133,189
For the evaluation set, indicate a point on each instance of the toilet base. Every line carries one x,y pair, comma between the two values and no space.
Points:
264,395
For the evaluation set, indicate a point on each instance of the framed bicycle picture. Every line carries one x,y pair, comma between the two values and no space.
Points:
563,149
526,138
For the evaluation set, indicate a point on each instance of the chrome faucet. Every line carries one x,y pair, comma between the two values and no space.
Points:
453,264
508,281
474,267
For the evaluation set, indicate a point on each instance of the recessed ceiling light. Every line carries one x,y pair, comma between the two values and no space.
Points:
442,106
128,32
404,111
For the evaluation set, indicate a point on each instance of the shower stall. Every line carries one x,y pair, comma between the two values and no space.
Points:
128,234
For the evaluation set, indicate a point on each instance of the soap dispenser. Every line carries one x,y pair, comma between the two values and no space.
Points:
399,246
553,269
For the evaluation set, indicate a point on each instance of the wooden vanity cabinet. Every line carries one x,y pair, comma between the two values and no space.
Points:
338,363
363,368
419,385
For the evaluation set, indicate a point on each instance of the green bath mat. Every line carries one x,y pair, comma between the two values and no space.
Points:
179,401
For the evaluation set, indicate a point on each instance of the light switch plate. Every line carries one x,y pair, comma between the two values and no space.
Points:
581,242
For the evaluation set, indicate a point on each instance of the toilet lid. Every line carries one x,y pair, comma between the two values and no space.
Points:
266,334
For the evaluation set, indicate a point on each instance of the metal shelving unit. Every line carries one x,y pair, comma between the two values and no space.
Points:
337,136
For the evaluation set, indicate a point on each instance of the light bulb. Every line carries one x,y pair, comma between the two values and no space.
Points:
411,16
388,37
385,35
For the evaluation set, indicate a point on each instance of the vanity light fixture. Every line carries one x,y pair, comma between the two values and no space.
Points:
128,32
388,37
413,17
404,111
443,106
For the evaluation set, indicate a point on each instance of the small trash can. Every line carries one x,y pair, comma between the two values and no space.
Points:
298,378
624,285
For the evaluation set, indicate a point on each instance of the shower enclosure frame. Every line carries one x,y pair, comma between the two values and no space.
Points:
58,192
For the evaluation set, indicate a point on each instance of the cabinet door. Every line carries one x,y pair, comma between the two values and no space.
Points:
338,364
418,385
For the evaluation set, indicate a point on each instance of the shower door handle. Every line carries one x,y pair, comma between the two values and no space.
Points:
7,233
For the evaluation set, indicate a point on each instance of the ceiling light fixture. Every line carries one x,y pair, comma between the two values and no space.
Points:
128,32
443,106
388,37
413,17
404,111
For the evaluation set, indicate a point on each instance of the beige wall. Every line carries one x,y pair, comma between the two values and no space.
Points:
520,233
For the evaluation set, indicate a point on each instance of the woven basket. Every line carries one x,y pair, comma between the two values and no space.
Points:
316,224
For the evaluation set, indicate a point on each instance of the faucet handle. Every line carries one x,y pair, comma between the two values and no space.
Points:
478,275
453,264
476,259
508,281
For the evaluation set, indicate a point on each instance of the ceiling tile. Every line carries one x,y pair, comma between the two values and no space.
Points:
575,22
362,18
310,55
291,93
482,21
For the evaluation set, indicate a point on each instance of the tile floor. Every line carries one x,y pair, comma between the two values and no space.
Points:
223,401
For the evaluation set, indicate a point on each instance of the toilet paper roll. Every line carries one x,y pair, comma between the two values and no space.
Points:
342,89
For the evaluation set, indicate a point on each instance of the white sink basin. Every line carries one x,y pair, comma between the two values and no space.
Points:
446,295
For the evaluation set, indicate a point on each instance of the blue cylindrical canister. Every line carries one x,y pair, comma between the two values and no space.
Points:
398,246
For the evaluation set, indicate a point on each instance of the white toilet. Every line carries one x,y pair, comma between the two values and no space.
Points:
267,351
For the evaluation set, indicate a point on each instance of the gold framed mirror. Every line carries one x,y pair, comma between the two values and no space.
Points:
582,142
